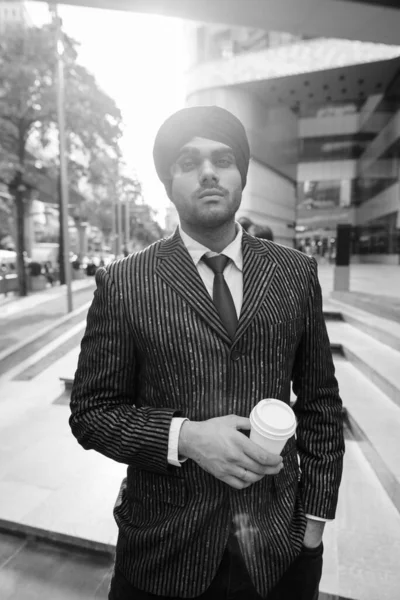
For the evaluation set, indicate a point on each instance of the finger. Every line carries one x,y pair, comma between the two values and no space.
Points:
245,462
258,454
236,482
258,468
251,471
274,470
248,476
241,422
241,479
252,476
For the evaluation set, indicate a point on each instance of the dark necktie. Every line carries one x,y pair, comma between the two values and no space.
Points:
221,294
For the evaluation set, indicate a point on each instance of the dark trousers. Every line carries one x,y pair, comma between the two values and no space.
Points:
232,581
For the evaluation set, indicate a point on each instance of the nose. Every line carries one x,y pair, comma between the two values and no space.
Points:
208,174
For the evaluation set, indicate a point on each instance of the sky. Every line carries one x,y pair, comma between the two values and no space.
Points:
140,61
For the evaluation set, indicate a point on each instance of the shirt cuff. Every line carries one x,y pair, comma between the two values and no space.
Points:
318,518
173,441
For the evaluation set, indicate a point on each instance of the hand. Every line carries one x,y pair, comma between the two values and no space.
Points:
219,448
313,534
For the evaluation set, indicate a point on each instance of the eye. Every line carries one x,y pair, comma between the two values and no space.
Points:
187,164
224,162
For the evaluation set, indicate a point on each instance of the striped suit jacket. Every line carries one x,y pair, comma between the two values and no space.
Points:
155,348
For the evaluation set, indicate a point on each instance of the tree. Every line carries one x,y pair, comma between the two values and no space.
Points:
144,228
28,116
5,217
104,188
112,184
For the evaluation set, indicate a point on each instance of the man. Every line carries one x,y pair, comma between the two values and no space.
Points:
174,358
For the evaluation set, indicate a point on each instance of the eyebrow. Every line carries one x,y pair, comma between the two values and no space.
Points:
196,151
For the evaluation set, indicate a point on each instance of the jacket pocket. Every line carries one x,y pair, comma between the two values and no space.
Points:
289,321
317,551
150,488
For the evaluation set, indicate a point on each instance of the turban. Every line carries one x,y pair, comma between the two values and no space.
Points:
211,122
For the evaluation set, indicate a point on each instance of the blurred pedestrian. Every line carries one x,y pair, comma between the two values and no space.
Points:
3,276
262,231
245,222
183,339
49,272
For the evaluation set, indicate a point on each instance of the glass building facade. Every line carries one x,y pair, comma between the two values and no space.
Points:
324,118
367,196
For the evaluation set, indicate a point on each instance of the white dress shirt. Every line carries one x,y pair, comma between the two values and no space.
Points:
233,275
234,278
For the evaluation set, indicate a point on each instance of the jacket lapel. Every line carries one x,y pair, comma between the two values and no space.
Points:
258,273
177,269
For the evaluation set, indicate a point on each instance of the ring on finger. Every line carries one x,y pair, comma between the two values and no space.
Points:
244,477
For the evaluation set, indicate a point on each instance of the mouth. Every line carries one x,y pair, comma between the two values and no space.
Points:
211,192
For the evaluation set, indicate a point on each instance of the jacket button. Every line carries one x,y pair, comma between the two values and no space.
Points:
236,355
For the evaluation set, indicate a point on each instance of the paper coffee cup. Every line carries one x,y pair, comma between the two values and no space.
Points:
272,423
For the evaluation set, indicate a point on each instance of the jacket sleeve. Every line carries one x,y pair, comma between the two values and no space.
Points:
104,416
320,439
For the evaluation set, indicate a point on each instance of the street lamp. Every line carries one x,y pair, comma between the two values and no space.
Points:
127,225
53,7
119,227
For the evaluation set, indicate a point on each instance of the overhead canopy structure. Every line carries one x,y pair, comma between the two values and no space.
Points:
324,87
365,20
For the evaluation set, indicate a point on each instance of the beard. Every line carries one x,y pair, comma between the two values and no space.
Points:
212,215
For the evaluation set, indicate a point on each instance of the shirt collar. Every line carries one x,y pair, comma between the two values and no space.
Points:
233,250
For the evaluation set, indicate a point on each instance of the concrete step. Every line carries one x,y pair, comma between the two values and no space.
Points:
33,568
380,328
379,362
374,421
333,315
68,375
375,304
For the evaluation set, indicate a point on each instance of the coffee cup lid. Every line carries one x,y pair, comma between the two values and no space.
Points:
274,417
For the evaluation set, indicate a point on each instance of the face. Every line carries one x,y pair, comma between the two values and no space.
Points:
206,184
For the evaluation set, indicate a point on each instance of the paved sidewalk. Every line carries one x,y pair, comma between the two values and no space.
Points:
373,288
47,481
377,280
36,570
22,318
13,305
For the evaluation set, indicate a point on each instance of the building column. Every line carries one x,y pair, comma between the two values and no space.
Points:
345,192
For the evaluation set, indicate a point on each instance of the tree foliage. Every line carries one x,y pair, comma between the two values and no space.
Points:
28,114
112,184
28,107
5,219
